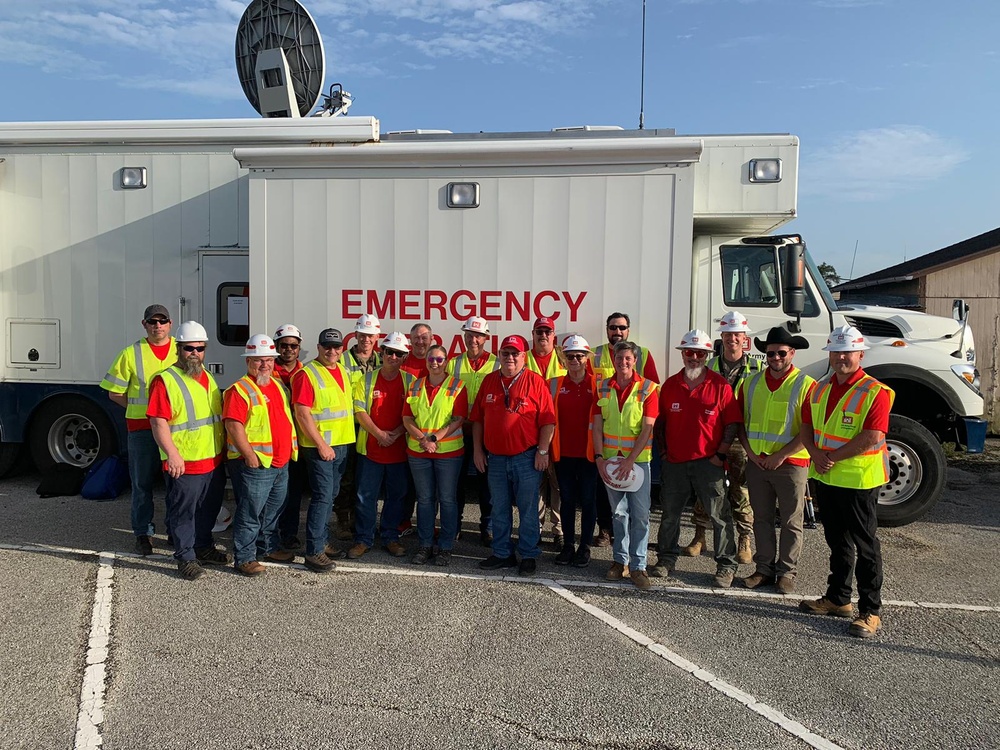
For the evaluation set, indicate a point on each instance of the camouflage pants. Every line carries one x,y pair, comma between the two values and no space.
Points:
736,493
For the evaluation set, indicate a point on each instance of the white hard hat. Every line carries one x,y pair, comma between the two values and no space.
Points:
287,330
191,331
733,322
260,345
631,483
395,341
368,324
575,343
845,339
696,339
476,325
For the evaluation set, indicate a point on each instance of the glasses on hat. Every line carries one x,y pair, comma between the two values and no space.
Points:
158,321
189,348
781,353
696,353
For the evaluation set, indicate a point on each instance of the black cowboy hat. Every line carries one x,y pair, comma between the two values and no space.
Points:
779,335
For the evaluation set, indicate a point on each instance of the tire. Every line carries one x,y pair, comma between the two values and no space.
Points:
9,453
917,469
70,430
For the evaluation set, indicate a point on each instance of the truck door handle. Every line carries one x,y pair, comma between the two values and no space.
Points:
215,368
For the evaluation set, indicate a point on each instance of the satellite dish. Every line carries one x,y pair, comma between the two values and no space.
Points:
279,58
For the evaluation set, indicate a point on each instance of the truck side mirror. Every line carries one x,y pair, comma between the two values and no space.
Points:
793,279
959,310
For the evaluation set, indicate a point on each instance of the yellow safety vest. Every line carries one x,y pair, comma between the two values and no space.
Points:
459,368
623,425
431,417
331,409
196,427
751,365
355,370
363,390
131,373
554,369
773,419
604,366
258,424
861,472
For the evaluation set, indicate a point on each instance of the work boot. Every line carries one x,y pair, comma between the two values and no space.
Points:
744,555
697,545
865,626
345,529
757,580
617,572
824,606
280,556
786,585
723,578
661,570
603,538
358,550
251,569
640,580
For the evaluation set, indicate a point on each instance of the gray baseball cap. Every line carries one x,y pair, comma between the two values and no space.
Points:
331,336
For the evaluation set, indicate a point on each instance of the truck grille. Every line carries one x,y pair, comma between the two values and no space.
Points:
877,328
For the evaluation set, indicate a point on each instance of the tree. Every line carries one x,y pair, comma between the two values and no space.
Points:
829,274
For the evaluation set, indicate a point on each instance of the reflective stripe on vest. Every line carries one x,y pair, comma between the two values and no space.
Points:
459,368
866,470
622,426
331,409
196,427
258,424
145,364
432,416
773,418
604,367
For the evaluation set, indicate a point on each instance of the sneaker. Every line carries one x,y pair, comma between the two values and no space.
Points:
660,570
617,572
640,580
582,558
279,556
358,550
496,563
824,606
443,558
422,556
565,557
291,542
320,563
405,528
212,556
190,569
144,545
756,581
786,585
603,538
395,549
334,553
527,567
865,626
251,569
723,578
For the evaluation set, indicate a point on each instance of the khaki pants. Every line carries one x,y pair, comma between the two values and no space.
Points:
785,486
739,498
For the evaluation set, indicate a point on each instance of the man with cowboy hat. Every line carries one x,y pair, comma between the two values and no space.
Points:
771,401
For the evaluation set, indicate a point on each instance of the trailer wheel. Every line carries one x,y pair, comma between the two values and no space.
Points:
9,453
917,470
70,431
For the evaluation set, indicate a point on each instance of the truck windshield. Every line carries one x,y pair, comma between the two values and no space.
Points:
820,283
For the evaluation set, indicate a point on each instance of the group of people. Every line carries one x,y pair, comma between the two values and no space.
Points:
542,427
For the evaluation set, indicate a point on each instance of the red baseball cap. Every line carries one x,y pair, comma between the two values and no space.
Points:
544,323
515,342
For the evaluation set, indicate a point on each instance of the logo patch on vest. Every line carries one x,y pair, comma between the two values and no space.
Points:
848,420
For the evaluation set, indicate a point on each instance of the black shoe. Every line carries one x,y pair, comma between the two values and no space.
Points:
565,557
144,545
212,556
496,563
291,542
527,567
486,538
190,569
582,558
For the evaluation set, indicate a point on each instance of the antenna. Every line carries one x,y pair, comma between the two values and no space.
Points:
642,70
280,59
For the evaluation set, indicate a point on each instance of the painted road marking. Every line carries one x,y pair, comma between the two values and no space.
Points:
90,715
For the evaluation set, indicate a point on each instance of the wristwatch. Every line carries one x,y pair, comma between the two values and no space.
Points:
542,452
432,438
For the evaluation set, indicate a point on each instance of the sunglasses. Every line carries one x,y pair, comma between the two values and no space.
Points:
392,353
509,355
157,322
782,353
696,353
576,357
332,346
543,332
194,348
617,328
288,346
436,360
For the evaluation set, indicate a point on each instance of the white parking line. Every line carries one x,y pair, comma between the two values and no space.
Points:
90,716
770,713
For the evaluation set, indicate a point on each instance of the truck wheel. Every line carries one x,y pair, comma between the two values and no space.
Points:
70,431
9,453
917,470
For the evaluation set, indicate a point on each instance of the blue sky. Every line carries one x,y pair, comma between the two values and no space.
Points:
894,100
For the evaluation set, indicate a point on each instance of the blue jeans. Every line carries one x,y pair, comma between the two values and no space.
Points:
472,475
436,481
260,493
144,465
577,486
288,522
324,482
514,481
370,477
630,519
193,502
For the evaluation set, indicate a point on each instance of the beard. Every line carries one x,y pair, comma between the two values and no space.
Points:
694,370
263,378
192,366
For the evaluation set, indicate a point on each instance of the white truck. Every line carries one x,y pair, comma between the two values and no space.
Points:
327,220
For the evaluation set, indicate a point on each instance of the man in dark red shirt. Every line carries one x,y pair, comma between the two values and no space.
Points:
288,339
699,421
513,421
421,337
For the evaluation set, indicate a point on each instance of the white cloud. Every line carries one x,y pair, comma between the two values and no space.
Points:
879,163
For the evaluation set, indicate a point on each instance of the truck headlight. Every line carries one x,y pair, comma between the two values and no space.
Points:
969,375
765,170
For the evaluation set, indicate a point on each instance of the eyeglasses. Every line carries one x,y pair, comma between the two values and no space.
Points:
508,355
782,353
157,322
194,348
543,332
332,346
576,357
617,328
392,353
696,353
288,346
436,360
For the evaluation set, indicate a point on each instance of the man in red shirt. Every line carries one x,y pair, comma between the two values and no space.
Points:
421,337
261,443
381,448
513,421
699,421
288,339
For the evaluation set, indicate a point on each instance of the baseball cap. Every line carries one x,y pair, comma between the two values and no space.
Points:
515,342
544,323
156,310
331,336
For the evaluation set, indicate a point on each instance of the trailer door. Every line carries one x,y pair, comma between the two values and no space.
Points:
225,305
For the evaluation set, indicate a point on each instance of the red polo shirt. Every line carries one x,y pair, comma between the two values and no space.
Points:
235,407
508,431
574,403
695,418
878,415
286,375
415,366
386,411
